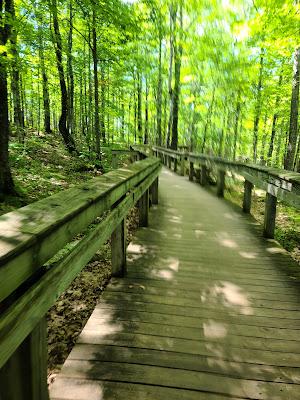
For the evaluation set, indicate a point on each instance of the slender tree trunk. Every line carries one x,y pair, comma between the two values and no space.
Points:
236,125
139,108
293,128
258,105
69,142
96,87
15,78
208,119
275,118
6,181
173,15
46,97
70,72
102,114
159,91
146,135
176,92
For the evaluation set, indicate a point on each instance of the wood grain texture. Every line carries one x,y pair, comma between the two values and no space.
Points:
209,310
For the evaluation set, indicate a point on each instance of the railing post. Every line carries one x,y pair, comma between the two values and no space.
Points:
114,161
154,191
270,215
175,164
182,165
191,171
24,376
221,183
203,176
118,250
248,186
143,205
170,162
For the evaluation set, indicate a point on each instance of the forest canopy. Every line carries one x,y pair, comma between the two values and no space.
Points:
217,77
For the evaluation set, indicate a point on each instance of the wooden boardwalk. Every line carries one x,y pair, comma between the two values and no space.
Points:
209,310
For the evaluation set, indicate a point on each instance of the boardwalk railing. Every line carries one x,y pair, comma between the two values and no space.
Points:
278,184
31,236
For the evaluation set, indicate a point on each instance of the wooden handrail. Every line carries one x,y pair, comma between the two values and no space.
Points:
33,234
278,183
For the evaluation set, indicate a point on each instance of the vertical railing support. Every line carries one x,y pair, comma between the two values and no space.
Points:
270,215
220,183
203,176
191,171
175,164
170,162
248,186
182,161
143,205
114,161
118,250
24,376
154,192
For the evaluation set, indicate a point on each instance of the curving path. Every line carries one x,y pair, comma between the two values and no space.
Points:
209,310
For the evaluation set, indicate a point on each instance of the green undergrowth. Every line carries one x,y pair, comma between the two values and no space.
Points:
287,231
42,167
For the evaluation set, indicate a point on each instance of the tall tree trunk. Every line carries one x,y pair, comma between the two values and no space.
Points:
15,78
176,92
46,97
139,108
173,15
275,118
236,125
96,86
69,142
258,105
293,128
146,134
102,114
70,72
6,181
208,119
159,91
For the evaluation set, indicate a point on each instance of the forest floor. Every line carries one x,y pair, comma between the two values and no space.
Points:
41,167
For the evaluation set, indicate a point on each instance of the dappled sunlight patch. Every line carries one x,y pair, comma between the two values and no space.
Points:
136,248
162,273
199,233
248,254
214,330
177,235
231,216
276,250
77,390
231,296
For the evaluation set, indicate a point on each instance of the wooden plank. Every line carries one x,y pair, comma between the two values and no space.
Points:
162,308
81,389
179,379
187,362
223,334
238,327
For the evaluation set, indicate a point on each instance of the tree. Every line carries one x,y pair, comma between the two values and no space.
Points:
6,20
57,41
